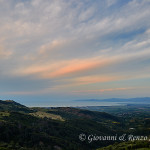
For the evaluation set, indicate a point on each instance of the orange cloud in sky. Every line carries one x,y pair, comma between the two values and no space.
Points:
95,79
64,68
102,90
115,89
73,66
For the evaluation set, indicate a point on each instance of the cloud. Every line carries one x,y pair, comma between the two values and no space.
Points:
76,66
33,92
59,68
73,43
52,46
103,90
110,2
3,53
96,79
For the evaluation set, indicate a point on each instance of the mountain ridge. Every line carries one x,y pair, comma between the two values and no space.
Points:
11,105
146,99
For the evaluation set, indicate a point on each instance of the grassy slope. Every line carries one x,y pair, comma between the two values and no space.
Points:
42,114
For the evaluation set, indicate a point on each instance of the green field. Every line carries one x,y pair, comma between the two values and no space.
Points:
47,115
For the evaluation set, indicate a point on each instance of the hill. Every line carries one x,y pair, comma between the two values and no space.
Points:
10,105
24,128
62,128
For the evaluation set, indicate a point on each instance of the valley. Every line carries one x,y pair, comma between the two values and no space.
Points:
68,128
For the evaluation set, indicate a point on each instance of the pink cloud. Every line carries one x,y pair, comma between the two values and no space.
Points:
103,90
96,79
65,68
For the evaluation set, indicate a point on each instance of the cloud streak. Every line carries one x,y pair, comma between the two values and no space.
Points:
76,45
101,90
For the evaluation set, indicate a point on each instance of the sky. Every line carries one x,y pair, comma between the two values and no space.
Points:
53,52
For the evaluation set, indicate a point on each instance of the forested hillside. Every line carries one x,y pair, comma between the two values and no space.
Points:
23,128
